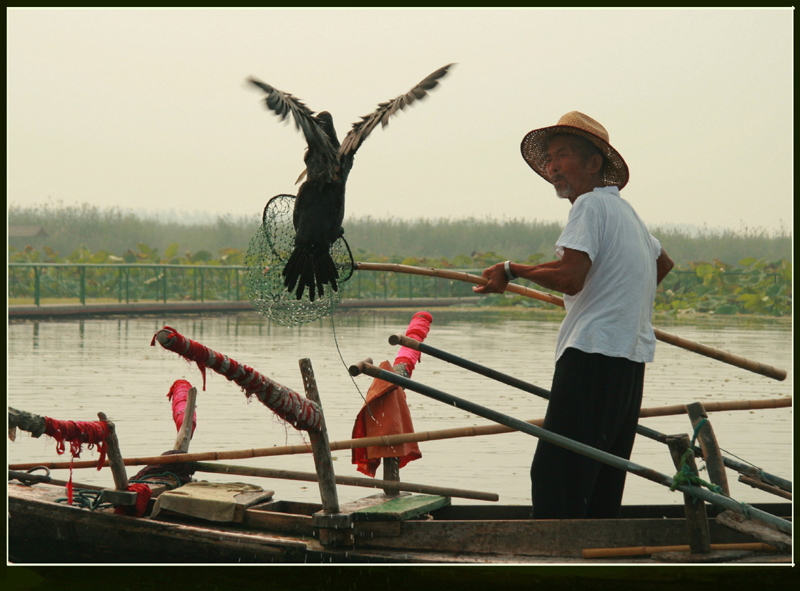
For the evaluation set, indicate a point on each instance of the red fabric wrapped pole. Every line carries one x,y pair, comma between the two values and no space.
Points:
417,329
386,410
178,394
297,410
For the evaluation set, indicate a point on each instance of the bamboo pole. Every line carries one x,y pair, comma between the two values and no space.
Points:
647,550
663,411
718,354
346,480
765,487
452,433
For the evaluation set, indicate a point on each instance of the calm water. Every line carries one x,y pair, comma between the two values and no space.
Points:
73,369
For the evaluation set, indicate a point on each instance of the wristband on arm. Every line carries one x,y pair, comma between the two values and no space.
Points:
509,274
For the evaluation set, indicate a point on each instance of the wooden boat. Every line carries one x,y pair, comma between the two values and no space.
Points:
247,524
378,529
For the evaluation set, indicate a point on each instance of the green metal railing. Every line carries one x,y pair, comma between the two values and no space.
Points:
125,282
200,283
163,282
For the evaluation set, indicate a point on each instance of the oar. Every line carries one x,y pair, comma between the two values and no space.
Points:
718,354
577,447
406,341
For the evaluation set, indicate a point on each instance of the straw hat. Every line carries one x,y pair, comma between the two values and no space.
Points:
534,146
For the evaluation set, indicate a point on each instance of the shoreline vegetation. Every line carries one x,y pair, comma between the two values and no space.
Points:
724,273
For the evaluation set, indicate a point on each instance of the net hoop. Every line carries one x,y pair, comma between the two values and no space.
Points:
268,251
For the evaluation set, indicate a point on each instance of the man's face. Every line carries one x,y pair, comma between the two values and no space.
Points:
566,169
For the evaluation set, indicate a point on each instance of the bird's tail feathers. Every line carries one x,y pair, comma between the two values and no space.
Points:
310,267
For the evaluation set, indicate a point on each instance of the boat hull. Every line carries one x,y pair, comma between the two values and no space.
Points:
43,530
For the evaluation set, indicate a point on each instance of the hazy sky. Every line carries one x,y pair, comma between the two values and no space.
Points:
148,109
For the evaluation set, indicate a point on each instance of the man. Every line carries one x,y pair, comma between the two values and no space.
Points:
608,267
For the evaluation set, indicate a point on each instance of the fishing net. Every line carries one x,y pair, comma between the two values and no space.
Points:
267,254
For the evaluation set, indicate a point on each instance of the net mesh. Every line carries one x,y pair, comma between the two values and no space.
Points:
267,254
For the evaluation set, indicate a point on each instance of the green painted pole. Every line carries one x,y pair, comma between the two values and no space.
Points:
575,446
82,274
405,341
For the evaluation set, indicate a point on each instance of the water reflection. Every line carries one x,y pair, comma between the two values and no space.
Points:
73,369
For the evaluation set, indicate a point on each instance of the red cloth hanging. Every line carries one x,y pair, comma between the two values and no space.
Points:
385,413
386,410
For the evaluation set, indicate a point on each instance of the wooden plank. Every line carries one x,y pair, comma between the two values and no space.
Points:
695,509
759,530
114,455
119,498
401,508
248,499
277,522
320,446
708,443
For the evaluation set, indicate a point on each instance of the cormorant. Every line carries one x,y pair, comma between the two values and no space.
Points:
319,206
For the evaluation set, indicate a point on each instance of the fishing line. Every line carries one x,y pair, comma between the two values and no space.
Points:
336,342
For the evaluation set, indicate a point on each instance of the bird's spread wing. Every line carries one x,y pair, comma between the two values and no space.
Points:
381,115
283,103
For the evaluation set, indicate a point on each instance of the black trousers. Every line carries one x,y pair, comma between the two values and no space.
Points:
595,399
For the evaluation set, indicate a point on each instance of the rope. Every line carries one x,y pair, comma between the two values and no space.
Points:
697,430
174,482
92,433
84,498
686,475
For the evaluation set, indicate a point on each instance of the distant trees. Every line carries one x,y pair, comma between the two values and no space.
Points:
119,232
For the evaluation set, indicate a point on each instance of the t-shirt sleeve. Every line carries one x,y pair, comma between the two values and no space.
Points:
656,245
583,230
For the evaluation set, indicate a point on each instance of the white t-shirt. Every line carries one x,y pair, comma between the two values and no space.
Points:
612,314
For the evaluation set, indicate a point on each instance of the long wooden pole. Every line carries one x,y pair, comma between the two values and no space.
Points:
455,432
647,550
345,480
718,354
320,446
